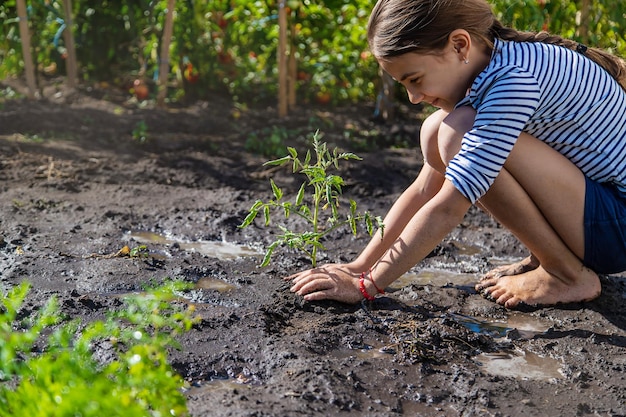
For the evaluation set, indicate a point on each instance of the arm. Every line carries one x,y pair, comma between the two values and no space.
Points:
425,186
421,234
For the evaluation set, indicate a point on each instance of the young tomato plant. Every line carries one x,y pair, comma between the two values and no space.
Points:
326,190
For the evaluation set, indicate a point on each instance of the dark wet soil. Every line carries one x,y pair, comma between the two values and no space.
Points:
74,183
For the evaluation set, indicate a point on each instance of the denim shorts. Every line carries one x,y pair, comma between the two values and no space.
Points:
605,228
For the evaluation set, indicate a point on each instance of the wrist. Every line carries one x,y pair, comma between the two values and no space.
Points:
368,286
364,290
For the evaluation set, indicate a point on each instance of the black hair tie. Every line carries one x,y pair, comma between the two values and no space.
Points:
581,49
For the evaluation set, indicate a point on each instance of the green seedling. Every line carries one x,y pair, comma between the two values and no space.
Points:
140,251
325,198
118,367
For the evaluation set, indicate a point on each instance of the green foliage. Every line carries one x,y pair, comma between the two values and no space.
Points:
231,45
602,28
269,142
328,38
140,251
116,367
326,188
140,132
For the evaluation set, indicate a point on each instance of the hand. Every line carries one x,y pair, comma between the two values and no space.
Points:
332,281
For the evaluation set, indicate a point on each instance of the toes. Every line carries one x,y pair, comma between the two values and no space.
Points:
492,292
499,292
495,274
487,295
512,302
505,298
486,283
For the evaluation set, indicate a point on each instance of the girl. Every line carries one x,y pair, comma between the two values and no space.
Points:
531,127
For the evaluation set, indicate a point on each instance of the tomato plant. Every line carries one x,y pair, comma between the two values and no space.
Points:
230,46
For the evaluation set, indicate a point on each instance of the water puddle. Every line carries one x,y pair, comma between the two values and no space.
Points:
208,283
520,364
434,277
362,352
217,249
194,297
523,326
465,249
218,385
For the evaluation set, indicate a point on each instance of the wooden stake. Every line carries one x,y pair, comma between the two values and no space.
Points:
583,29
282,60
293,68
26,52
72,66
164,64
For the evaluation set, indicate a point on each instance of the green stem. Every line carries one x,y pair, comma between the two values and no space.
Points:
316,209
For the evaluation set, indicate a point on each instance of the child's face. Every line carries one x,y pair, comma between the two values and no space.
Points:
441,80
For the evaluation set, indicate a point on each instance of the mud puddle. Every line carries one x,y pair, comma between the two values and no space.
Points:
518,363
521,364
436,277
217,249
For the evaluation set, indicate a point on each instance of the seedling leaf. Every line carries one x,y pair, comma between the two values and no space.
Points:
266,215
278,194
280,161
249,218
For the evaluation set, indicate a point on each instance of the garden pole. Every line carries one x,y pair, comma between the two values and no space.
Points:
282,60
164,63
583,30
72,67
26,52
293,68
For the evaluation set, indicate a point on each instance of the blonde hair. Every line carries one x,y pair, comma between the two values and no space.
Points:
399,26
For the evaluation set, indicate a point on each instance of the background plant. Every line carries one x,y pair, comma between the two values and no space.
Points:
326,191
140,132
229,46
116,367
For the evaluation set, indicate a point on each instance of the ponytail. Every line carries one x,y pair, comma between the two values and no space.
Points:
611,63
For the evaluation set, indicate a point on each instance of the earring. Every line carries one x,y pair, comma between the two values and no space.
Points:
466,61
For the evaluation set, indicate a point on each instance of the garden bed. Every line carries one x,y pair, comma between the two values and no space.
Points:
79,184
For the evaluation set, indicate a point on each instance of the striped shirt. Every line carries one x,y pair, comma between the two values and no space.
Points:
552,93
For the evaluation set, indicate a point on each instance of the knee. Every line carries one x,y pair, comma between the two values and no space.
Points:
429,133
451,131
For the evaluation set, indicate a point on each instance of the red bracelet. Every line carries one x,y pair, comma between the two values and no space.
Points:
373,283
363,290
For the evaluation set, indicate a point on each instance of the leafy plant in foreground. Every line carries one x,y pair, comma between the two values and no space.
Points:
116,367
326,190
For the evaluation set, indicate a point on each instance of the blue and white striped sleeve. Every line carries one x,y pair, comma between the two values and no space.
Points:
502,112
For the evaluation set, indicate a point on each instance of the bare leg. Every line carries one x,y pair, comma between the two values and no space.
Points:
539,196
560,276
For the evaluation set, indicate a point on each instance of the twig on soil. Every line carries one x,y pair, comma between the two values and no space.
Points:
125,251
266,173
50,170
140,251
50,167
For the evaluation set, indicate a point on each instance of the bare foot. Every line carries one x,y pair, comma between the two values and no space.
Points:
539,287
517,268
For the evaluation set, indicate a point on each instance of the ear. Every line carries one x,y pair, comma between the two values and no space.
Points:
461,42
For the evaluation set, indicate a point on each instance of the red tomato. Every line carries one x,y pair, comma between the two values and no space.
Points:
323,97
140,90
191,74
